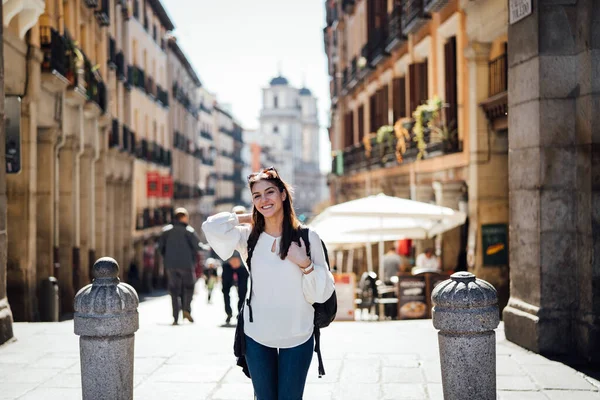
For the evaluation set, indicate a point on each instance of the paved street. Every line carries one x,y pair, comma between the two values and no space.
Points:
363,360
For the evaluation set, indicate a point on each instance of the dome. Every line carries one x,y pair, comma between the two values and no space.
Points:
305,92
279,80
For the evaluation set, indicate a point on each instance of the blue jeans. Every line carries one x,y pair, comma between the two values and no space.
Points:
278,375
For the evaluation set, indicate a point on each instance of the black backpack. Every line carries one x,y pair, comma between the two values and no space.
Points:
324,312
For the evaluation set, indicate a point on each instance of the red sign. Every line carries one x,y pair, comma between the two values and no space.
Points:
153,184
166,185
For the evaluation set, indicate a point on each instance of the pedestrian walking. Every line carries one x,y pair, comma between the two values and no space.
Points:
234,274
210,277
278,318
179,245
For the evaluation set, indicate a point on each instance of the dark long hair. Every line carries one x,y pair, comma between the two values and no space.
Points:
290,224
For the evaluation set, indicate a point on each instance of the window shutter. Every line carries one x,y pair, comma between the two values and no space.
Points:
412,87
423,89
451,82
373,113
399,98
361,122
385,106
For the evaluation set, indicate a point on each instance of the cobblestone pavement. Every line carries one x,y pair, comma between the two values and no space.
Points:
363,360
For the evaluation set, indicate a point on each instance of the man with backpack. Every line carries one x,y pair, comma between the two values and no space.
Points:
179,245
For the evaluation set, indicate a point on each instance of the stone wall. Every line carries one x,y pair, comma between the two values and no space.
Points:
5,313
554,163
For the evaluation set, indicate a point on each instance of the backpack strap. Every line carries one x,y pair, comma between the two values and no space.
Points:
304,234
317,332
250,249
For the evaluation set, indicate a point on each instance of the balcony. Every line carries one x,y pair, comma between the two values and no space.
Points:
103,14
206,135
151,217
54,48
434,5
113,137
112,53
395,37
120,64
496,106
91,3
377,45
348,6
413,16
95,88
162,96
205,109
136,9
136,77
128,144
383,155
150,87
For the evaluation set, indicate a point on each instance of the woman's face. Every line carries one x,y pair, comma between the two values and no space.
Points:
267,198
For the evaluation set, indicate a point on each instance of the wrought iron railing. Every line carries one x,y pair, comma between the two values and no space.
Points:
498,75
54,48
103,14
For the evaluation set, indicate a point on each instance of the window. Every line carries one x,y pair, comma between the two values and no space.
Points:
154,33
451,82
275,102
399,98
418,84
373,113
275,129
361,122
349,129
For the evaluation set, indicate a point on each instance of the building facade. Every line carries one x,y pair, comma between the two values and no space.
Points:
289,128
228,163
420,109
205,142
184,126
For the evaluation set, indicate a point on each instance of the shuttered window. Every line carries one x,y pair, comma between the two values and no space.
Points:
451,82
417,84
361,122
399,98
373,113
349,129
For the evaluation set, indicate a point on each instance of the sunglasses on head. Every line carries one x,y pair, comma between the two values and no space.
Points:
270,173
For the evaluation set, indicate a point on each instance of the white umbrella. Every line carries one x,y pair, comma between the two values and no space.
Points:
382,218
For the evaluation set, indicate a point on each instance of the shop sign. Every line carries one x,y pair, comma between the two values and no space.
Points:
153,184
412,299
494,241
345,285
518,9
166,186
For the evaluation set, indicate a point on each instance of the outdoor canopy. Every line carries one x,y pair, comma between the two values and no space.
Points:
382,218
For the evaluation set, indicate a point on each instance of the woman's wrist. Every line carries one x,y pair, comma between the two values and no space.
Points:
307,263
309,269
244,218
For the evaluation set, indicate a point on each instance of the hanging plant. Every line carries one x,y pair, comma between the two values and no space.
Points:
426,116
367,142
401,128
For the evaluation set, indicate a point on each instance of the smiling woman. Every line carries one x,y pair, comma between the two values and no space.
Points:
275,330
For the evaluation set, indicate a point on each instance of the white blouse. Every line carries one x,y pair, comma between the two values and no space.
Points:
282,296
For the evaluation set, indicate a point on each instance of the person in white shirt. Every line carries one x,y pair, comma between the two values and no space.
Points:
428,262
284,283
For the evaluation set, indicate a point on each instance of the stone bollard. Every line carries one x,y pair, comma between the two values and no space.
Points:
106,318
465,311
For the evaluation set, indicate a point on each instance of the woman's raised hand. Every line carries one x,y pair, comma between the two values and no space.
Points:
297,254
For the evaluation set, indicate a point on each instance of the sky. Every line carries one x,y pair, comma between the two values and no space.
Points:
238,46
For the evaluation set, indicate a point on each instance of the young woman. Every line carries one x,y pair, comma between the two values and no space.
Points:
284,282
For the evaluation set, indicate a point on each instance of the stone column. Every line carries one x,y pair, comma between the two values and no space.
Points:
465,310
554,128
66,238
45,202
21,193
488,169
85,216
6,331
106,319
